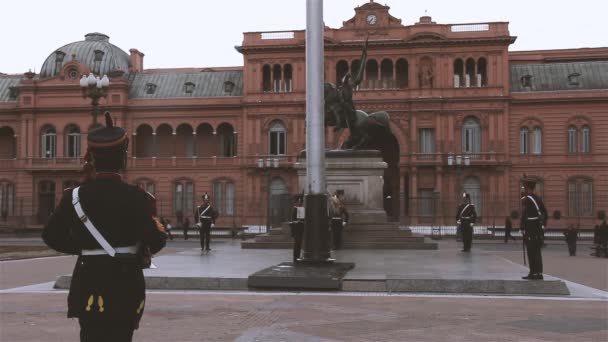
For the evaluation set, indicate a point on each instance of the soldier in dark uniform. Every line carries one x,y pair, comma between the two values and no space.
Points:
571,235
297,226
533,221
338,216
205,220
107,292
465,218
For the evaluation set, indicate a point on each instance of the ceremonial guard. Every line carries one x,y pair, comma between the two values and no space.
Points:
338,216
571,235
297,226
112,227
465,219
205,221
533,221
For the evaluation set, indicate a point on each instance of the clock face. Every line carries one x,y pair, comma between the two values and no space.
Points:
372,19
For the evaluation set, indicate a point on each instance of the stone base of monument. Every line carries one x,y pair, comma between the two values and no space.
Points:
359,174
303,276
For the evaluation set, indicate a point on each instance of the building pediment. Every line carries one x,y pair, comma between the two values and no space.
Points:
371,15
426,36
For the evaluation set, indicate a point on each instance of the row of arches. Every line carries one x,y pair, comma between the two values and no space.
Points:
470,72
277,78
185,141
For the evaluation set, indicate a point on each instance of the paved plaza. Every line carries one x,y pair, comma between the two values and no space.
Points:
31,310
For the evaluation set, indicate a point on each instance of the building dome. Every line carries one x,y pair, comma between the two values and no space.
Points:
95,51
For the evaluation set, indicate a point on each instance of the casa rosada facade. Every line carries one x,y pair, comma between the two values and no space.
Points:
465,114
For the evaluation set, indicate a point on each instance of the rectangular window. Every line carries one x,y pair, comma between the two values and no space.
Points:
586,201
73,145
427,203
523,141
426,140
277,143
218,196
572,200
585,141
572,140
178,198
189,199
229,199
537,138
48,146
7,200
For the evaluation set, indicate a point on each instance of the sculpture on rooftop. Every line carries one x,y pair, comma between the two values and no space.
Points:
340,112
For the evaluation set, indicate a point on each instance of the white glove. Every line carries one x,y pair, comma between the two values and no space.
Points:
458,222
212,225
343,224
198,225
471,224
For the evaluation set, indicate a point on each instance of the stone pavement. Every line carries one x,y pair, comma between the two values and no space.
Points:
446,270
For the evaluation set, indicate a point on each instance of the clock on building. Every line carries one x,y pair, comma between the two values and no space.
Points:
372,19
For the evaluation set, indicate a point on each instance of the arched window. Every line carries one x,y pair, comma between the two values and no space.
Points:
206,142
276,78
523,140
164,141
482,72
580,197
227,140
471,136
402,73
537,140
7,199
266,83
386,74
277,138
72,142
146,185
470,73
585,139
144,142
183,198
572,137
7,143
472,187
223,197
48,142
184,141
288,70
458,73
341,70
371,74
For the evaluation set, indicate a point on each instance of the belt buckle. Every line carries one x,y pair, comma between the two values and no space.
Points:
83,218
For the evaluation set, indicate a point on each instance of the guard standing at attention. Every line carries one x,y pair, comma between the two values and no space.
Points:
205,221
533,221
113,228
297,226
465,218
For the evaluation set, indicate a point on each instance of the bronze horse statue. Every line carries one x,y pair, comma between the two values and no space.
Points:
365,129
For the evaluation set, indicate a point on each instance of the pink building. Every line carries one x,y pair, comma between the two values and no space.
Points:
454,92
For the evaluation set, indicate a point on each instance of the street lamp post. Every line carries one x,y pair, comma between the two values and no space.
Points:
267,166
94,88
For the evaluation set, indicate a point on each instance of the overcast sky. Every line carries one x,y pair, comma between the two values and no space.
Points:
197,33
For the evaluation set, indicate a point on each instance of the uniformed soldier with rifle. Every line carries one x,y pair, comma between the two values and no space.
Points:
297,226
533,222
205,221
465,219
113,228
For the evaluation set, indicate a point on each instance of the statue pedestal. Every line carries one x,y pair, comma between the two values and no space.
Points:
360,174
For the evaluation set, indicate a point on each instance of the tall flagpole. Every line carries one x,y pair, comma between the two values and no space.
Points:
316,233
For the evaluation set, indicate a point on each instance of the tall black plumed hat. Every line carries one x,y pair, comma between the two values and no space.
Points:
107,137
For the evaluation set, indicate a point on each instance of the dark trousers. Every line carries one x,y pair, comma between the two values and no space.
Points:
336,232
169,233
186,232
95,332
467,236
205,235
508,235
572,247
297,232
535,257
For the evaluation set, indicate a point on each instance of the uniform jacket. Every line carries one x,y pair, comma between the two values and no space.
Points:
531,222
468,216
211,212
106,288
